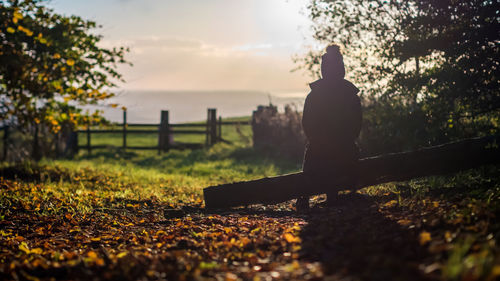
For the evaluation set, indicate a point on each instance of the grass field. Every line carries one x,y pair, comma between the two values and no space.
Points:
116,215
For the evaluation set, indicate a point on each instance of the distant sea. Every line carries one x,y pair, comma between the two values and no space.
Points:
187,106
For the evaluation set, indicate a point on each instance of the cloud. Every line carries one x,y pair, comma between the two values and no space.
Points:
169,43
190,64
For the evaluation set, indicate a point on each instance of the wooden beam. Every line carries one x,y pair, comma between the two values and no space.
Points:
435,160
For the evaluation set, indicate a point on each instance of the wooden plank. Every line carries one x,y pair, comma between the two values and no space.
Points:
143,125
190,125
119,131
235,123
187,132
104,146
436,160
142,147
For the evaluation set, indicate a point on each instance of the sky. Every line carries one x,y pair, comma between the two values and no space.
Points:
202,44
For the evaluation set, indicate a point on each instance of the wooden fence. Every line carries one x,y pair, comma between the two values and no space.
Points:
212,129
5,130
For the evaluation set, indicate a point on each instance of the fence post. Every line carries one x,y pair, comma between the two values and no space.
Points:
124,129
207,139
5,138
89,148
73,142
212,117
220,128
164,133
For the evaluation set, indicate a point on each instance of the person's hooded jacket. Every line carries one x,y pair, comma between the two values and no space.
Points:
331,122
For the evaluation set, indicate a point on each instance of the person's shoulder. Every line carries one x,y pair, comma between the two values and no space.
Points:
350,87
316,85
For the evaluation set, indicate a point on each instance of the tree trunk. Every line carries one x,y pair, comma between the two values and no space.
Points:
435,160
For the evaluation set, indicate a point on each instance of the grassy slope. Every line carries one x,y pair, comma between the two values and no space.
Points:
107,216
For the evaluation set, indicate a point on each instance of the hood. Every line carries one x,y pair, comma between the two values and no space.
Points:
323,84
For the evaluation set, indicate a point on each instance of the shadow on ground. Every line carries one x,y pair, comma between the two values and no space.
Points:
353,240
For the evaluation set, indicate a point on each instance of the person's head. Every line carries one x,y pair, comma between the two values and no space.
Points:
332,63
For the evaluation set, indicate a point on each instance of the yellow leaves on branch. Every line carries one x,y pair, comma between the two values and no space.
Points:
25,30
41,39
16,17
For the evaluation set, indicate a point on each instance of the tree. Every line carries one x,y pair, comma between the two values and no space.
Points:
50,64
428,69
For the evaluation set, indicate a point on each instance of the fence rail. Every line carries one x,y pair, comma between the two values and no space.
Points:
212,129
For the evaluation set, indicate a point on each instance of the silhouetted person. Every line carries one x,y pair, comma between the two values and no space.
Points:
331,122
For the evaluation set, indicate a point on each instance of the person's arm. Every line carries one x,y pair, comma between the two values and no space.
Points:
357,117
307,118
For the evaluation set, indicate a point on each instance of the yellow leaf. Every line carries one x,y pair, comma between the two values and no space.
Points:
290,238
121,255
24,247
495,271
391,203
99,262
92,255
18,15
227,230
10,30
114,105
70,62
404,222
56,56
424,237
37,251
448,236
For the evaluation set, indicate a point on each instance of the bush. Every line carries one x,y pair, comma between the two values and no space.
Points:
278,133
